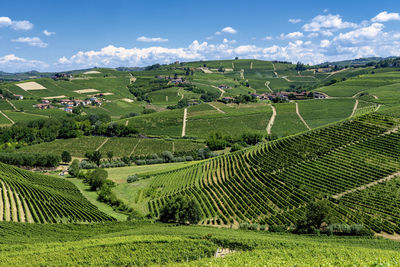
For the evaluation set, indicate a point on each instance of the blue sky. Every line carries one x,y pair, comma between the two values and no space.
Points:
60,35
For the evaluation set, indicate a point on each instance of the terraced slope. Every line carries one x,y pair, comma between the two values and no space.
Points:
272,183
31,197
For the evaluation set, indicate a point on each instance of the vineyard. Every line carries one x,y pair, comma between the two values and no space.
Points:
30,197
349,163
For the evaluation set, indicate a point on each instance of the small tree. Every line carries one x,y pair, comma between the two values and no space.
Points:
97,178
94,156
66,156
110,155
181,210
74,168
317,213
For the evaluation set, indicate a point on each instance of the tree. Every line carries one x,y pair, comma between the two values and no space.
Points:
66,156
317,213
181,210
94,156
74,168
97,178
110,155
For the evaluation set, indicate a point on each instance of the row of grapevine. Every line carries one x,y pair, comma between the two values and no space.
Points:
30,197
271,183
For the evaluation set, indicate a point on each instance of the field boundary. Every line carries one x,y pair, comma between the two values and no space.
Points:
271,120
354,108
184,122
219,110
102,144
134,148
363,187
8,118
301,117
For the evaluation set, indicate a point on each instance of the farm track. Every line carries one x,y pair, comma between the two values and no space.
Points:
134,148
127,122
301,117
251,65
271,120
8,118
378,107
1,204
11,104
267,85
21,212
354,108
242,74
102,144
6,203
219,110
221,90
363,187
184,122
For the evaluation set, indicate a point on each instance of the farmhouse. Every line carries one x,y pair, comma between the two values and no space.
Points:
227,99
319,96
19,97
43,106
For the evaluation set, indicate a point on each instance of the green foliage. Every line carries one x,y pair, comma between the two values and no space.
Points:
66,156
74,168
316,213
96,178
94,156
30,159
181,210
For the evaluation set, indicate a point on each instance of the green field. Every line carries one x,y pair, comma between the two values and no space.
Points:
287,122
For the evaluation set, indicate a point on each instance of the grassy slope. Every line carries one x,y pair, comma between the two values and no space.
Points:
287,122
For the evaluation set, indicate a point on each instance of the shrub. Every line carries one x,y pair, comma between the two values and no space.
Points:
277,228
132,178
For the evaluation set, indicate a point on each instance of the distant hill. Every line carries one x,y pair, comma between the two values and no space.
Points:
355,62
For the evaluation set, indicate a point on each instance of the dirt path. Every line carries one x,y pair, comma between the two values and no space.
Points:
134,148
374,96
6,203
251,65
11,104
286,78
378,107
220,89
21,213
102,144
29,217
267,85
127,122
387,178
354,108
301,118
334,72
205,70
2,113
271,120
1,204
184,122
14,211
132,79
233,66
242,74
219,110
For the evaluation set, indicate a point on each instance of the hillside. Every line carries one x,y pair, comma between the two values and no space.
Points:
36,198
339,162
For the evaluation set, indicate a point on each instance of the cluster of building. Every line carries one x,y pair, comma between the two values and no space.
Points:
172,80
69,104
289,95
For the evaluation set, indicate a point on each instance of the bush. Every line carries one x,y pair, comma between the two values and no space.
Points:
277,228
66,156
132,178
74,168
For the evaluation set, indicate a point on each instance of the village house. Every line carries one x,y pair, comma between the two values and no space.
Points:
19,97
319,95
42,106
227,99
223,86
68,109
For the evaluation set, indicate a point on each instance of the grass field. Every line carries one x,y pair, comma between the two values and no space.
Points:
287,122
320,112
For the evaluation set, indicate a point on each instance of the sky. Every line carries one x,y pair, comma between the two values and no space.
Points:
60,35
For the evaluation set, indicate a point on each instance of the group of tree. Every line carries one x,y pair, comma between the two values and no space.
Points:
30,159
182,210
218,141
142,86
49,129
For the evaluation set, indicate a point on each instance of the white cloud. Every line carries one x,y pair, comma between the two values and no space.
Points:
47,33
327,22
226,41
13,63
15,24
151,39
31,41
292,35
267,38
385,16
209,37
325,43
217,33
294,21
362,34
229,30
